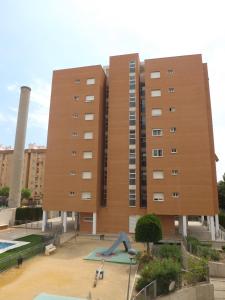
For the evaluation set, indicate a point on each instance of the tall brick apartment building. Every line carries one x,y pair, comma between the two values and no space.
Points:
130,139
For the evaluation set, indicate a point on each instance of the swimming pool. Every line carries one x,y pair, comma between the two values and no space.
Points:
6,245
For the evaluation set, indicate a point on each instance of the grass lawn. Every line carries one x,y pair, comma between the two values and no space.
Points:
34,247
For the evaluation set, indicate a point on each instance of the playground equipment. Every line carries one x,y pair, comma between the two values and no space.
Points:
123,238
99,274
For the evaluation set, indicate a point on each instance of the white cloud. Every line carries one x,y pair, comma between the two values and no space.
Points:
13,87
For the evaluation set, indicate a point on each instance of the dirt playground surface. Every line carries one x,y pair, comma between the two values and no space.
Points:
66,273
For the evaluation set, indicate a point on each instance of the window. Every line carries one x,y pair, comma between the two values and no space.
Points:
173,129
89,98
74,134
157,152
158,175
157,132
170,72
172,109
155,75
88,135
86,175
132,176
132,197
72,172
132,66
86,196
132,139
174,172
77,81
156,112
88,219
173,150
156,93
175,194
74,153
89,117
132,118
171,90
75,115
72,194
76,98
132,156
90,81
158,196
87,155
132,82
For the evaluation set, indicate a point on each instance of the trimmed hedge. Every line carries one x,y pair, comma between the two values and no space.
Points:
29,213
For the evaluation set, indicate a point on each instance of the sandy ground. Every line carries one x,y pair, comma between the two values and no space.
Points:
66,273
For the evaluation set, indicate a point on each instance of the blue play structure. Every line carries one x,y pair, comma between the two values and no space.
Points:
123,238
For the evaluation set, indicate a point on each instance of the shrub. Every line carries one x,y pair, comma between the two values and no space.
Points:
148,230
162,270
170,251
197,271
143,258
193,244
223,248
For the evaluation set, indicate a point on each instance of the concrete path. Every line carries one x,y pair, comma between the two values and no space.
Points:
199,231
219,288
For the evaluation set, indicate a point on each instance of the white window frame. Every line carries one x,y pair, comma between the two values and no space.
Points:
155,74
173,150
74,134
156,112
158,174
171,90
86,196
172,109
89,117
72,194
156,93
89,98
87,175
90,81
174,172
87,155
157,130
173,129
88,135
158,196
73,173
158,150
75,115
175,195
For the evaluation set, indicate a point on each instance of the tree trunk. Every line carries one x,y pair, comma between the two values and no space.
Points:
148,249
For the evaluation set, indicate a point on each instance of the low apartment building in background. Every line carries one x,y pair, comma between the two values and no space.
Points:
33,169
130,139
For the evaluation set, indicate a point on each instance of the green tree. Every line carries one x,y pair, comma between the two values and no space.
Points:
25,193
4,191
148,230
221,192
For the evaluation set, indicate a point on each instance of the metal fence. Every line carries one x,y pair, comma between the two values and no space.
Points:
147,293
12,260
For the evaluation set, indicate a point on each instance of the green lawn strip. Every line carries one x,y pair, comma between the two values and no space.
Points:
34,247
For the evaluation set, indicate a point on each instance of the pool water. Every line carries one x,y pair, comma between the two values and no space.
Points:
4,245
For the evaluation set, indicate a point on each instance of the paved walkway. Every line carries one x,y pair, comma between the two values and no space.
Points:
219,288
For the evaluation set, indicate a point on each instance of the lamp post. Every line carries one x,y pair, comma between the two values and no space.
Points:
132,254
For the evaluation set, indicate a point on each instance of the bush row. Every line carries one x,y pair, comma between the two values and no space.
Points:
202,250
29,213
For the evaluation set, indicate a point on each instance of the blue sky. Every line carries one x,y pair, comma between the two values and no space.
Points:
39,36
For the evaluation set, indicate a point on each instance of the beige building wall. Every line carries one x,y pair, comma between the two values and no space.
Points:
32,174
